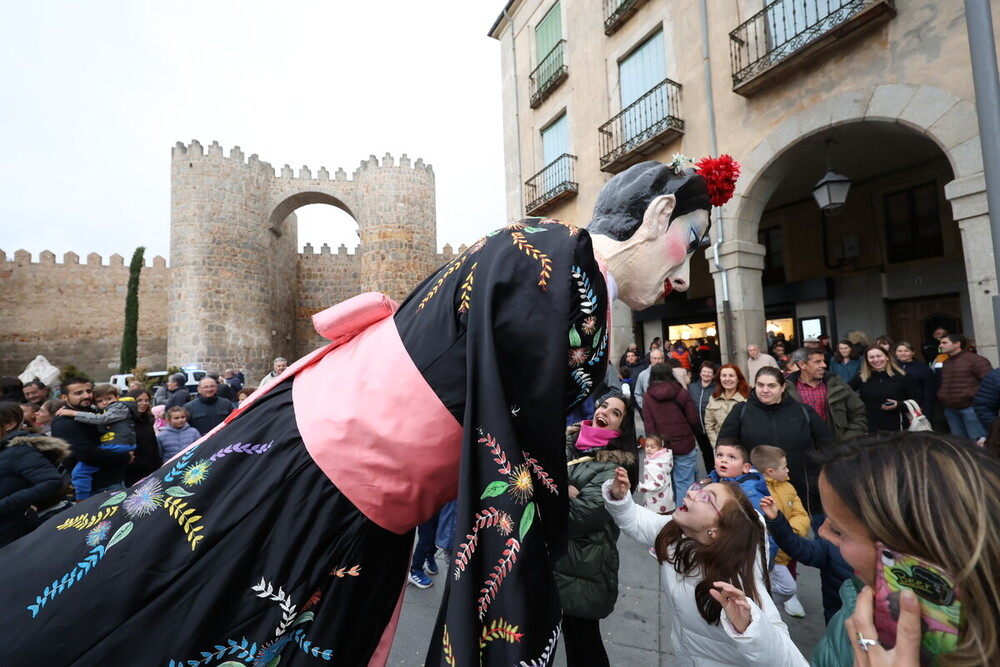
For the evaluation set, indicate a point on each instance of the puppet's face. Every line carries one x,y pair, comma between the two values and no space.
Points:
661,263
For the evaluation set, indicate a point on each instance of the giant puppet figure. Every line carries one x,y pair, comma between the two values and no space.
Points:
284,536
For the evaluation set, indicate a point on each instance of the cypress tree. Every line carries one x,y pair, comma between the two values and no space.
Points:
130,336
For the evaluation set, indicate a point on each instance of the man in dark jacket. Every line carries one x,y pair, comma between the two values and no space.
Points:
960,377
208,410
84,439
831,398
177,391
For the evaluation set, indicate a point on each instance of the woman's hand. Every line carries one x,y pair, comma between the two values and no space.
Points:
860,626
572,491
769,507
620,484
890,404
735,603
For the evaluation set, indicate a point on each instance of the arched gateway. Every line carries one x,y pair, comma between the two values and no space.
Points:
240,293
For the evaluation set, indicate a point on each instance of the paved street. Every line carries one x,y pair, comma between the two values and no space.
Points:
635,634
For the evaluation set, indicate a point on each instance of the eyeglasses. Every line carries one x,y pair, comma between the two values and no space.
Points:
703,496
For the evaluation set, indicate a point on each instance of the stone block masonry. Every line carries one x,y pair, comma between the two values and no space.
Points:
74,313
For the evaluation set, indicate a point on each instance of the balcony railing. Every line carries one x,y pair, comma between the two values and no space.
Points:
552,184
616,12
550,73
643,126
766,43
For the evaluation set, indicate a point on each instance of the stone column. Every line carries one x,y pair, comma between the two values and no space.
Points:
969,208
744,264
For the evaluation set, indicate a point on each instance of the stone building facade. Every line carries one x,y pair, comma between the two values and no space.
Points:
878,90
238,292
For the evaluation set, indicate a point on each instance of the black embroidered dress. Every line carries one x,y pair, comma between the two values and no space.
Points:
244,552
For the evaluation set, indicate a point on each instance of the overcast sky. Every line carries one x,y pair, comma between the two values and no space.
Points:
96,93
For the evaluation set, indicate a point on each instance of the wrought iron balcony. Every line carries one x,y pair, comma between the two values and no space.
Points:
550,73
789,31
552,184
616,12
643,126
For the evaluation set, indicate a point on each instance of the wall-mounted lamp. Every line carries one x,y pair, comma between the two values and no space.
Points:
831,191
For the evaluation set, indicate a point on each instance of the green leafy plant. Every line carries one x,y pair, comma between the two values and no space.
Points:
130,336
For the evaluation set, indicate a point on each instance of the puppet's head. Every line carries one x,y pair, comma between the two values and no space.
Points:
649,220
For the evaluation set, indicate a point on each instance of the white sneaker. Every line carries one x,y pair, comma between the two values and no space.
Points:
794,608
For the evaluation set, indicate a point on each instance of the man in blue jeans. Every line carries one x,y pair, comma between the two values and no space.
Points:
961,374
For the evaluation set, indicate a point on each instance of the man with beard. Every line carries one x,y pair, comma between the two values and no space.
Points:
84,439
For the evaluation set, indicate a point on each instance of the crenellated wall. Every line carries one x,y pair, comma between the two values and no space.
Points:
74,313
237,293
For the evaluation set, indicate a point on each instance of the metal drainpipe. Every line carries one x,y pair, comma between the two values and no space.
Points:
986,83
727,313
517,119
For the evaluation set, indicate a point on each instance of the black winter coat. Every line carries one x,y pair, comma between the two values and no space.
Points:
793,426
27,477
880,387
926,383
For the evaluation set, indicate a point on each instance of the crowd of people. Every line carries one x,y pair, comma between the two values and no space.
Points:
793,456
810,455
82,439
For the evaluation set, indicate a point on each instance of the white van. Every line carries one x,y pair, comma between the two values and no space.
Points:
193,378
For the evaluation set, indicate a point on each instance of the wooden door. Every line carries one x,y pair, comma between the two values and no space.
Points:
914,320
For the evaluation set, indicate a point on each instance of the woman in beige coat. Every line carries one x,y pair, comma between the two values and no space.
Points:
732,388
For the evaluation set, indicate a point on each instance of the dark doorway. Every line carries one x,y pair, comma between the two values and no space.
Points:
914,320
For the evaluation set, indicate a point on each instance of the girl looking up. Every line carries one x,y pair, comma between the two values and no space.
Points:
712,559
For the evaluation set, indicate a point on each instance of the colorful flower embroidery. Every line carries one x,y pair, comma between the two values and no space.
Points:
196,473
520,485
98,534
145,498
489,518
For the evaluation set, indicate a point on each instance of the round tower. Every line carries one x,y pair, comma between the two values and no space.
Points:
225,261
397,224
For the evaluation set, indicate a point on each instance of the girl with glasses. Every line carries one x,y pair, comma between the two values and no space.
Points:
713,562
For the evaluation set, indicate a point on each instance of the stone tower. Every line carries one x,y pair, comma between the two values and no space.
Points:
234,261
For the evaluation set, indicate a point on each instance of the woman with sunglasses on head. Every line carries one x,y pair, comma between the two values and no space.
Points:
713,559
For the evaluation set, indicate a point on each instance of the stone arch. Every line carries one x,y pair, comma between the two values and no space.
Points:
296,201
947,120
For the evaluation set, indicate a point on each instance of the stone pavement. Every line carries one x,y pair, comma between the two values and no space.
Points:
635,634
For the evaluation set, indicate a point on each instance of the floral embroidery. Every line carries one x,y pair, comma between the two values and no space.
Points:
534,253
503,567
440,281
500,629
540,473
147,496
464,302
269,653
546,656
141,502
520,485
489,518
98,534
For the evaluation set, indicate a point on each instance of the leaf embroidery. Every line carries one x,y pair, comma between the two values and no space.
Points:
540,473
488,518
464,302
451,269
534,253
503,567
499,629
526,519
186,518
494,489
498,456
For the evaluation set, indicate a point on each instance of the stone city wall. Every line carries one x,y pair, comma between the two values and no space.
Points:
74,313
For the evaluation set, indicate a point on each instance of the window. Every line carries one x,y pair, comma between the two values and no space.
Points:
549,52
548,32
913,224
638,74
555,143
774,255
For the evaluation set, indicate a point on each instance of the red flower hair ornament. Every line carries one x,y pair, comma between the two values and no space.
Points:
720,174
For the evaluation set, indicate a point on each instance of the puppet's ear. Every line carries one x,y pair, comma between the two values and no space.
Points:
657,217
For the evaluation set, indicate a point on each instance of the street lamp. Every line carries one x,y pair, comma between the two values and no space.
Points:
831,191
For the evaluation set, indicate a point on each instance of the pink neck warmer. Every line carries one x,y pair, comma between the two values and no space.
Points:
657,454
592,437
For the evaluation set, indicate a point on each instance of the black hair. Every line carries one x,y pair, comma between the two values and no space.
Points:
622,202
